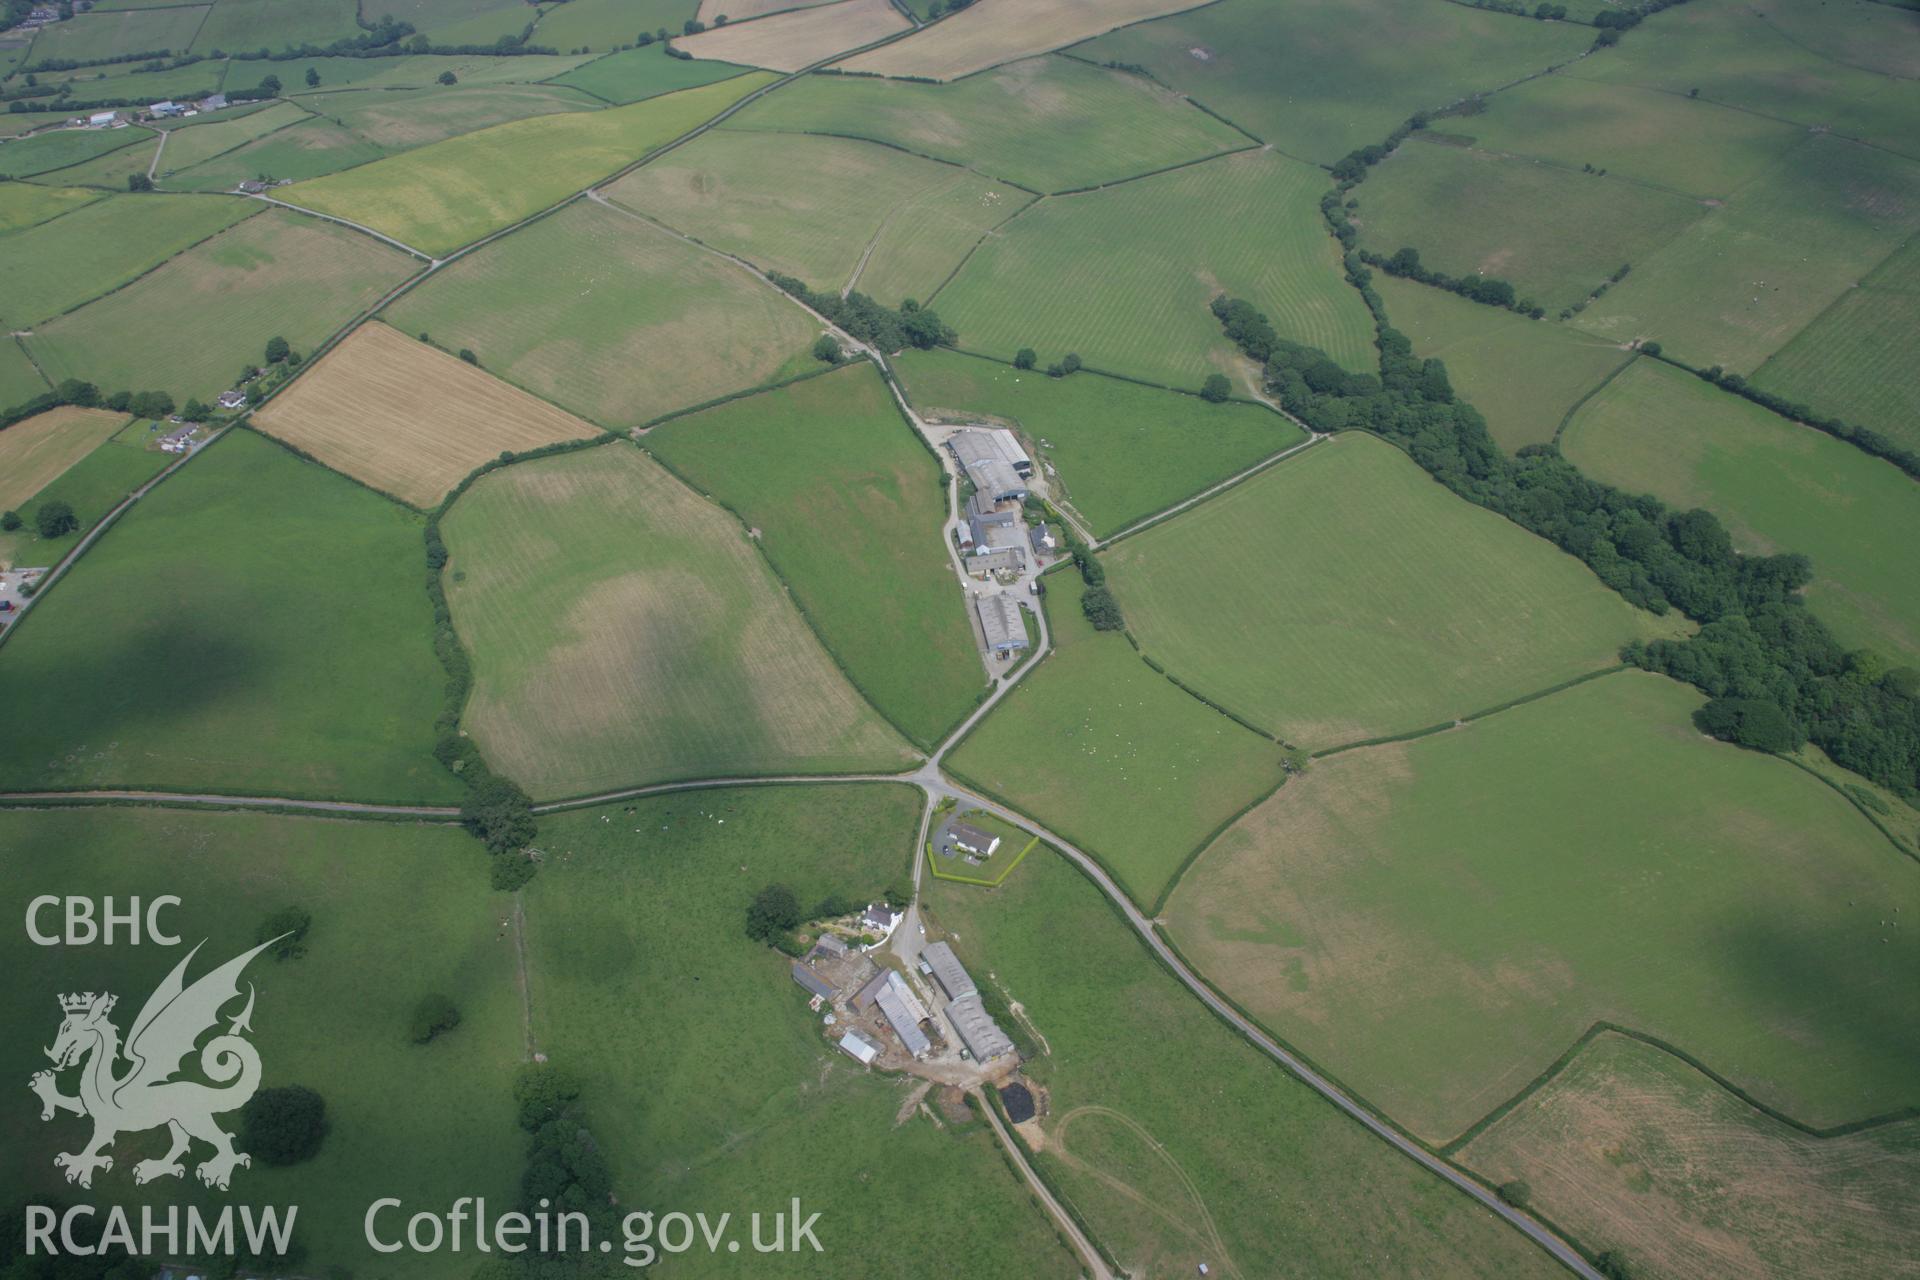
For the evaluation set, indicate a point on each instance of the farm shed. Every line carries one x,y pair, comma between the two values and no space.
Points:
987,563
948,971
1001,624
903,1013
870,991
859,1048
828,945
975,841
982,1036
806,977
990,444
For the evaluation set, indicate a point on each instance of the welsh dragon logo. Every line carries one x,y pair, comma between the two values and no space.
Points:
147,1095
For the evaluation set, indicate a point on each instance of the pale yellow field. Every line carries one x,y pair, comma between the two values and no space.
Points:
994,31
35,451
407,418
739,10
790,41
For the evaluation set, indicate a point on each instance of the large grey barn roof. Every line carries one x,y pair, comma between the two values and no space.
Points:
948,971
983,1038
804,975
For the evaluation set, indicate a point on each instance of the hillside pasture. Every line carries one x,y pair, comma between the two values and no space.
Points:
1631,1149
112,171
188,147
1353,70
610,317
989,32
1214,1153
86,36
623,631
710,9
1344,595
450,194
1739,283
1777,486
850,511
60,148
401,119
57,266
1120,451
1557,234
1098,746
276,273
407,419
657,886
1523,375
25,204
799,37
398,911
35,451
277,24
304,149
634,74
1047,124
254,626
832,211
599,25
1436,921
93,485
1854,361
19,380
423,71
1247,225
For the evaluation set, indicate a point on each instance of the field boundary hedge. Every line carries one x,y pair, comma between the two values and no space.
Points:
1060,1197
1154,173
178,253
894,146
1462,721
1207,842
1589,394
1853,800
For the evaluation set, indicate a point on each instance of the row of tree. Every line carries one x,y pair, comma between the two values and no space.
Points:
887,328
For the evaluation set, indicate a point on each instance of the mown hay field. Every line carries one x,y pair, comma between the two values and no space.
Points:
452,193
1210,1152
1108,752
850,510
1557,234
1523,375
656,887
93,485
57,266
254,626
1739,283
799,37
1345,595
1319,78
35,451
990,32
1633,1150
401,119
610,317
1855,361
304,149
710,9
832,211
1121,451
398,911
46,152
1247,225
1048,124
408,420
1436,921
188,147
276,273
623,630
24,204
1776,485
634,74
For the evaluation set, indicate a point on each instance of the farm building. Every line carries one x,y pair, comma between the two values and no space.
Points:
213,103
1006,560
102,119
971,839
994,461
1043,540
233,400
859,1048
948,971
978,1031
1001,624
804,975
870,991
167,109
904,1013
829,946
880,917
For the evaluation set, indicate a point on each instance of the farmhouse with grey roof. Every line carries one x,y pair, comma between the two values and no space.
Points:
973,840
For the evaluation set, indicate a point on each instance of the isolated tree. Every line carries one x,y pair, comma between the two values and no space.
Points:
1070,363
1024,358
289,927
270,85
277,349
313,78
195,411
773,911
284,1125
435,1015
447,77
1216,388
139,182
826,349
55,519
9,521
466,353
1102,610
499,813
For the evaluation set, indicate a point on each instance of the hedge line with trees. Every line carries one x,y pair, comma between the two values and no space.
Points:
887,328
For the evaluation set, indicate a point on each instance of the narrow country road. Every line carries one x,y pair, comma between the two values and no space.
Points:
1090,1256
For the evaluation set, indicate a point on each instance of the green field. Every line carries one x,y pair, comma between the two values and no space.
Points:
23,204
429,1123
610,317
623,630
46,152
1102,749
111,171
423,71
276,24
1121,451
116,35
1777,486
1523,375
19,380
304,149
1319,78
1345,595
1632,1149
1854,361
278,273
188,147
55,267
1048,124
850,509
452,193
1554,232
400,119
599,25
256,625
705,1079
114,82
831,211
1248,225
1739,283
1679,144
92,486
1208,1152
626,77
1436,921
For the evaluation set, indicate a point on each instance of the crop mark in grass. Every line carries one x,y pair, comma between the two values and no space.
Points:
1206,1233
